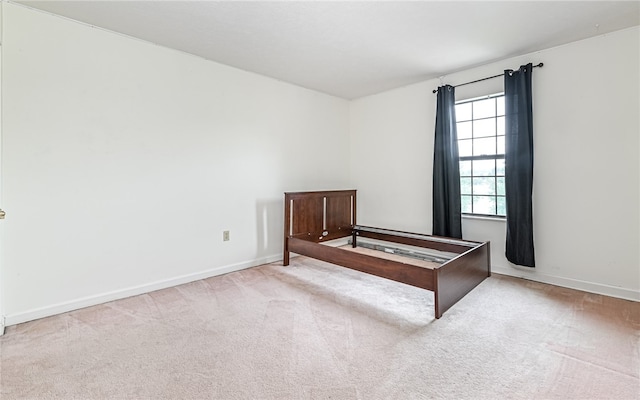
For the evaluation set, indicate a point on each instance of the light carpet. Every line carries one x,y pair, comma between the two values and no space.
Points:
318,331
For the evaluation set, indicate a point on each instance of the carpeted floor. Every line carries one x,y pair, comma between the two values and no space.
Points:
317,331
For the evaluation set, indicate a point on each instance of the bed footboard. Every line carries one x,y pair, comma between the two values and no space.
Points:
460,275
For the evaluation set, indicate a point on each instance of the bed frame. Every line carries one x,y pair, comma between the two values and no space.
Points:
312,218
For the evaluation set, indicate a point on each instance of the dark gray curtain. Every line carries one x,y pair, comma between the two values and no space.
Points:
446,168
519,165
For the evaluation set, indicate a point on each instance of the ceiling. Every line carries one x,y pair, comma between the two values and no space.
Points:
353,49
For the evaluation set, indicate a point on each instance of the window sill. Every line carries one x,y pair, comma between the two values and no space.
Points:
484,218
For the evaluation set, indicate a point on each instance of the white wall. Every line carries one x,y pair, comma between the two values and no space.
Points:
586,176
2,322
123,162
392,157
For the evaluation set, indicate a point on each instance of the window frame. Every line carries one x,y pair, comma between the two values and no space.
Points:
496,157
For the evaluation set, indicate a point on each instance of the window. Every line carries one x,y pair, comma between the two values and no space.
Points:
480,125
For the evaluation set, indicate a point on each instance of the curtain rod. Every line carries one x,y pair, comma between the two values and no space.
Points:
484,79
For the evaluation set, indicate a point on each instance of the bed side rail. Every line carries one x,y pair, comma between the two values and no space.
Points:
415,239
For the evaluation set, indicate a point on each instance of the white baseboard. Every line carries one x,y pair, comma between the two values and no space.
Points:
597,288
88,301
13,319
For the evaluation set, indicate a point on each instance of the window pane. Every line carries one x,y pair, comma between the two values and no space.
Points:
484,205
463,112
464,148
502,206
500,126
484,168
465,185
465,168
484,127
485,146
466,204
481,139
464,130
500,167
500,105
500,185
500,144
484,108
484,185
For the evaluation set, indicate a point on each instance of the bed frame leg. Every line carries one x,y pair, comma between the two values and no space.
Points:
285,255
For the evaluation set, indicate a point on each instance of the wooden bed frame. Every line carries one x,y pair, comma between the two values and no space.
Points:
312,218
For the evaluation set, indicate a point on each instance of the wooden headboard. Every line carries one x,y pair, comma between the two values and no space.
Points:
318,216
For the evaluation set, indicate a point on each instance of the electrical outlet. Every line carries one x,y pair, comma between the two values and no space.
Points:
225,236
